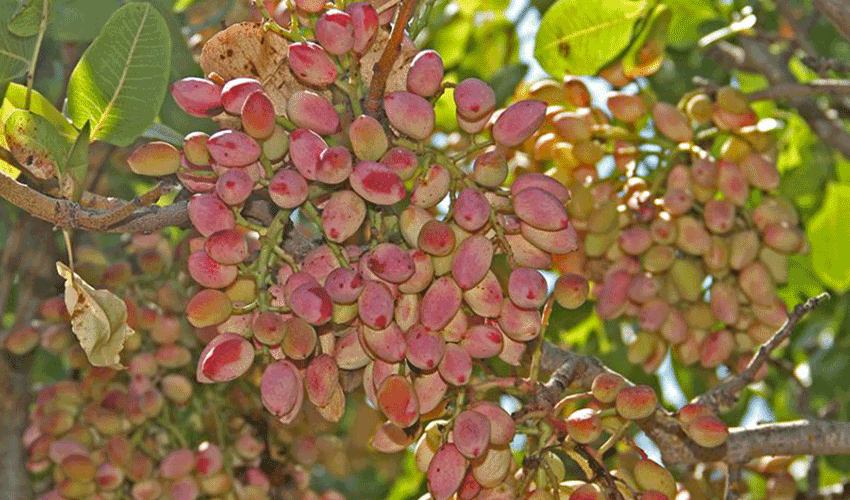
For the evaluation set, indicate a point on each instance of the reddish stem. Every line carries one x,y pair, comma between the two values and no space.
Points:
385,63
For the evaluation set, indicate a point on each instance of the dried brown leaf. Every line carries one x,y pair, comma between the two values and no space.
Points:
98,319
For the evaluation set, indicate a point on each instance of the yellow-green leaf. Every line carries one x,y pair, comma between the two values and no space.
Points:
827,232
579,37
76,165
646,53
35,143
98,319
15,98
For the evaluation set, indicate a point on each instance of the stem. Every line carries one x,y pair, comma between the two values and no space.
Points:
618,434
165,421
474,149
534,371
353,98
500,235
385,63
502,383
66,234
219,432
271,241
272,25
569,399
42,28
286,124
267,165
310,211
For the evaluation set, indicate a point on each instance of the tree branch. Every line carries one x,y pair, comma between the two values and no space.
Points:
374,99
726,394
802,437
801,34
755,56
131,216
838,13
796,90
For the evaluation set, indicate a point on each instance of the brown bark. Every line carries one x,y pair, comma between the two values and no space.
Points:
838,13
374,99
755,55
131,216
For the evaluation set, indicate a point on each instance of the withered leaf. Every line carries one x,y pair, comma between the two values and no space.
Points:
247,50
98,319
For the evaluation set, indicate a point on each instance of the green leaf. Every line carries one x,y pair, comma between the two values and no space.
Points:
579,37
444,111
160,132
46,369
79,20
35,143
802,282
505,82
473,6
409,480
181,5
15,98
493,44
646,53
688,16
827,232
15,51
120,82
76,165
796,139
25,21
451,40
182,65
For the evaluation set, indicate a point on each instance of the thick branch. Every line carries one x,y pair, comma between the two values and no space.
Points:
802,437
374,98
838,13
131,216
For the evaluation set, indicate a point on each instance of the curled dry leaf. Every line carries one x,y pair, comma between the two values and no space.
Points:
247,50
98,319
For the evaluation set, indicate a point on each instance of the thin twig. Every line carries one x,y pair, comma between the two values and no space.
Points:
42,28
794,90
756,56
726,394
374,98
800,35
838,13
733,478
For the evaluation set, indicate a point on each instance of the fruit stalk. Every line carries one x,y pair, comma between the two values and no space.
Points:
382,69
